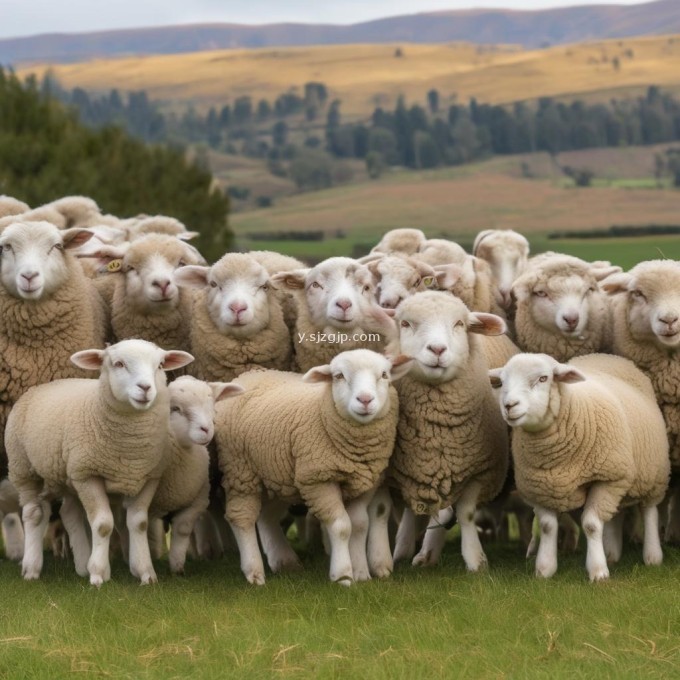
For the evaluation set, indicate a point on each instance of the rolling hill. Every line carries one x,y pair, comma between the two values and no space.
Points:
530,29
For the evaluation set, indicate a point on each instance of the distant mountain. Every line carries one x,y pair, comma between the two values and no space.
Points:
527,28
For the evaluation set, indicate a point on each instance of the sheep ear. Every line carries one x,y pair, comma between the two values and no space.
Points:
424,270
372,267
222,390
447,275
294,280
520,290
106,254
318,374
176,359
495,377
188,235
617,283
75,237
600,273
486,324
371,257
191,276
480,237
401,365
567,374
89,359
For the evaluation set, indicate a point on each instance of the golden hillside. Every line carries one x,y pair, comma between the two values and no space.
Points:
363,76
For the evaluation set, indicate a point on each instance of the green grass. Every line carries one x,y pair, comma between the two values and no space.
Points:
439,622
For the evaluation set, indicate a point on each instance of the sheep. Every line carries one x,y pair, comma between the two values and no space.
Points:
452,444
439,251
397,277
77,211
507,253
324,445
336,311
86,438
646,329
561,310
159,224
183,490
45,213
588,434
237,321
406,241
10,206
144,300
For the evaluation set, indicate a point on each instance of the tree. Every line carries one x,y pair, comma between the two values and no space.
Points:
433,101
243,110
311,169
280,133
375,164
264,109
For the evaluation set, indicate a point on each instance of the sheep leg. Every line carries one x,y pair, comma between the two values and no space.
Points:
672,533
73,517
435,539
242,513
157,538
651,548
612,539
471,547
121,530
36,516
92,495
325,501
13,536
207,537
570,532
546,559
180,537
279,552
357,509
405,542
137,521
379,554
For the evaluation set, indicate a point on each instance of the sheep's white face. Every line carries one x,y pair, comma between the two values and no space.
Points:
360,381
398,279
192,408
134,369
653,305
563,304
527,391
507,253
32,258
433,329
338,291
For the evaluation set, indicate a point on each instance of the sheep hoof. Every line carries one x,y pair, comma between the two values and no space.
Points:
14,553
653,557
545,570
423,560
346,581
362,576
256,578
600,573
30,573
381,571
286,564
149,578
96,580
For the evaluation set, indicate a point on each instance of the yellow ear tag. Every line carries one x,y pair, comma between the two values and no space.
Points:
114,265
428,281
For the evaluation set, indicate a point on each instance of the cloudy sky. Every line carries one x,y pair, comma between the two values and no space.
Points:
31,17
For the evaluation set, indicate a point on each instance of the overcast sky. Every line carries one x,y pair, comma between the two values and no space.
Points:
30,17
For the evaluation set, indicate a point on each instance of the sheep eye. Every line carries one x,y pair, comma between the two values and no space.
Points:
7,247
181,263
385,376
458,324
315,284
129,269
58,246
174,409
543,378
540,293
405,324
338,376
213,284
366,289
638,294
119,364
265,286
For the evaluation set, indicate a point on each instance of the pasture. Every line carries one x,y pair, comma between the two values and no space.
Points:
434,623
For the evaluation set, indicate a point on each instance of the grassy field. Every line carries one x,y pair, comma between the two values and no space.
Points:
434,623
365,76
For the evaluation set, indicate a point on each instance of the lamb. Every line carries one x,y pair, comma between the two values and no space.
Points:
585,434
325,444
406,241
397,277
452,444
144,300
87,438
10,206
183,490
336,311
237,320
507,253
561,310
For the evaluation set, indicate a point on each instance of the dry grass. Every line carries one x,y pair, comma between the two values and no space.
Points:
363,76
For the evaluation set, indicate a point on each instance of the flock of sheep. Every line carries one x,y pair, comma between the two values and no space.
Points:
540,385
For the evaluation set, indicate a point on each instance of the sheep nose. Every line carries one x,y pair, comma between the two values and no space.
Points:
163,284
571,319
145,387
437,350
509,405
29,276
668,319
205,429
344,304
390,304
365,399
238,307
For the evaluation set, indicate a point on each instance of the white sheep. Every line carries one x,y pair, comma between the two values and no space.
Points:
10,206
585,434
322,444
507,253
406,241
336,311
237,320
452,444
440,251
82,439
398,277
561,310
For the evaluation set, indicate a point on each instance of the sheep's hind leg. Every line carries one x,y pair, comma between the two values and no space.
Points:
612,538
471,547
435,539
73,517
357,509
13,536
380,562
651,547
279,552
137,520
242,513
36,515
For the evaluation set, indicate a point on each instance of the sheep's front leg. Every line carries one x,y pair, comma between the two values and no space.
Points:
36,515
92,495
325,501
181,527
279,552
546,559
651,547
435,539
357,509
242,513
471,547
137,520
380,561
73,517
